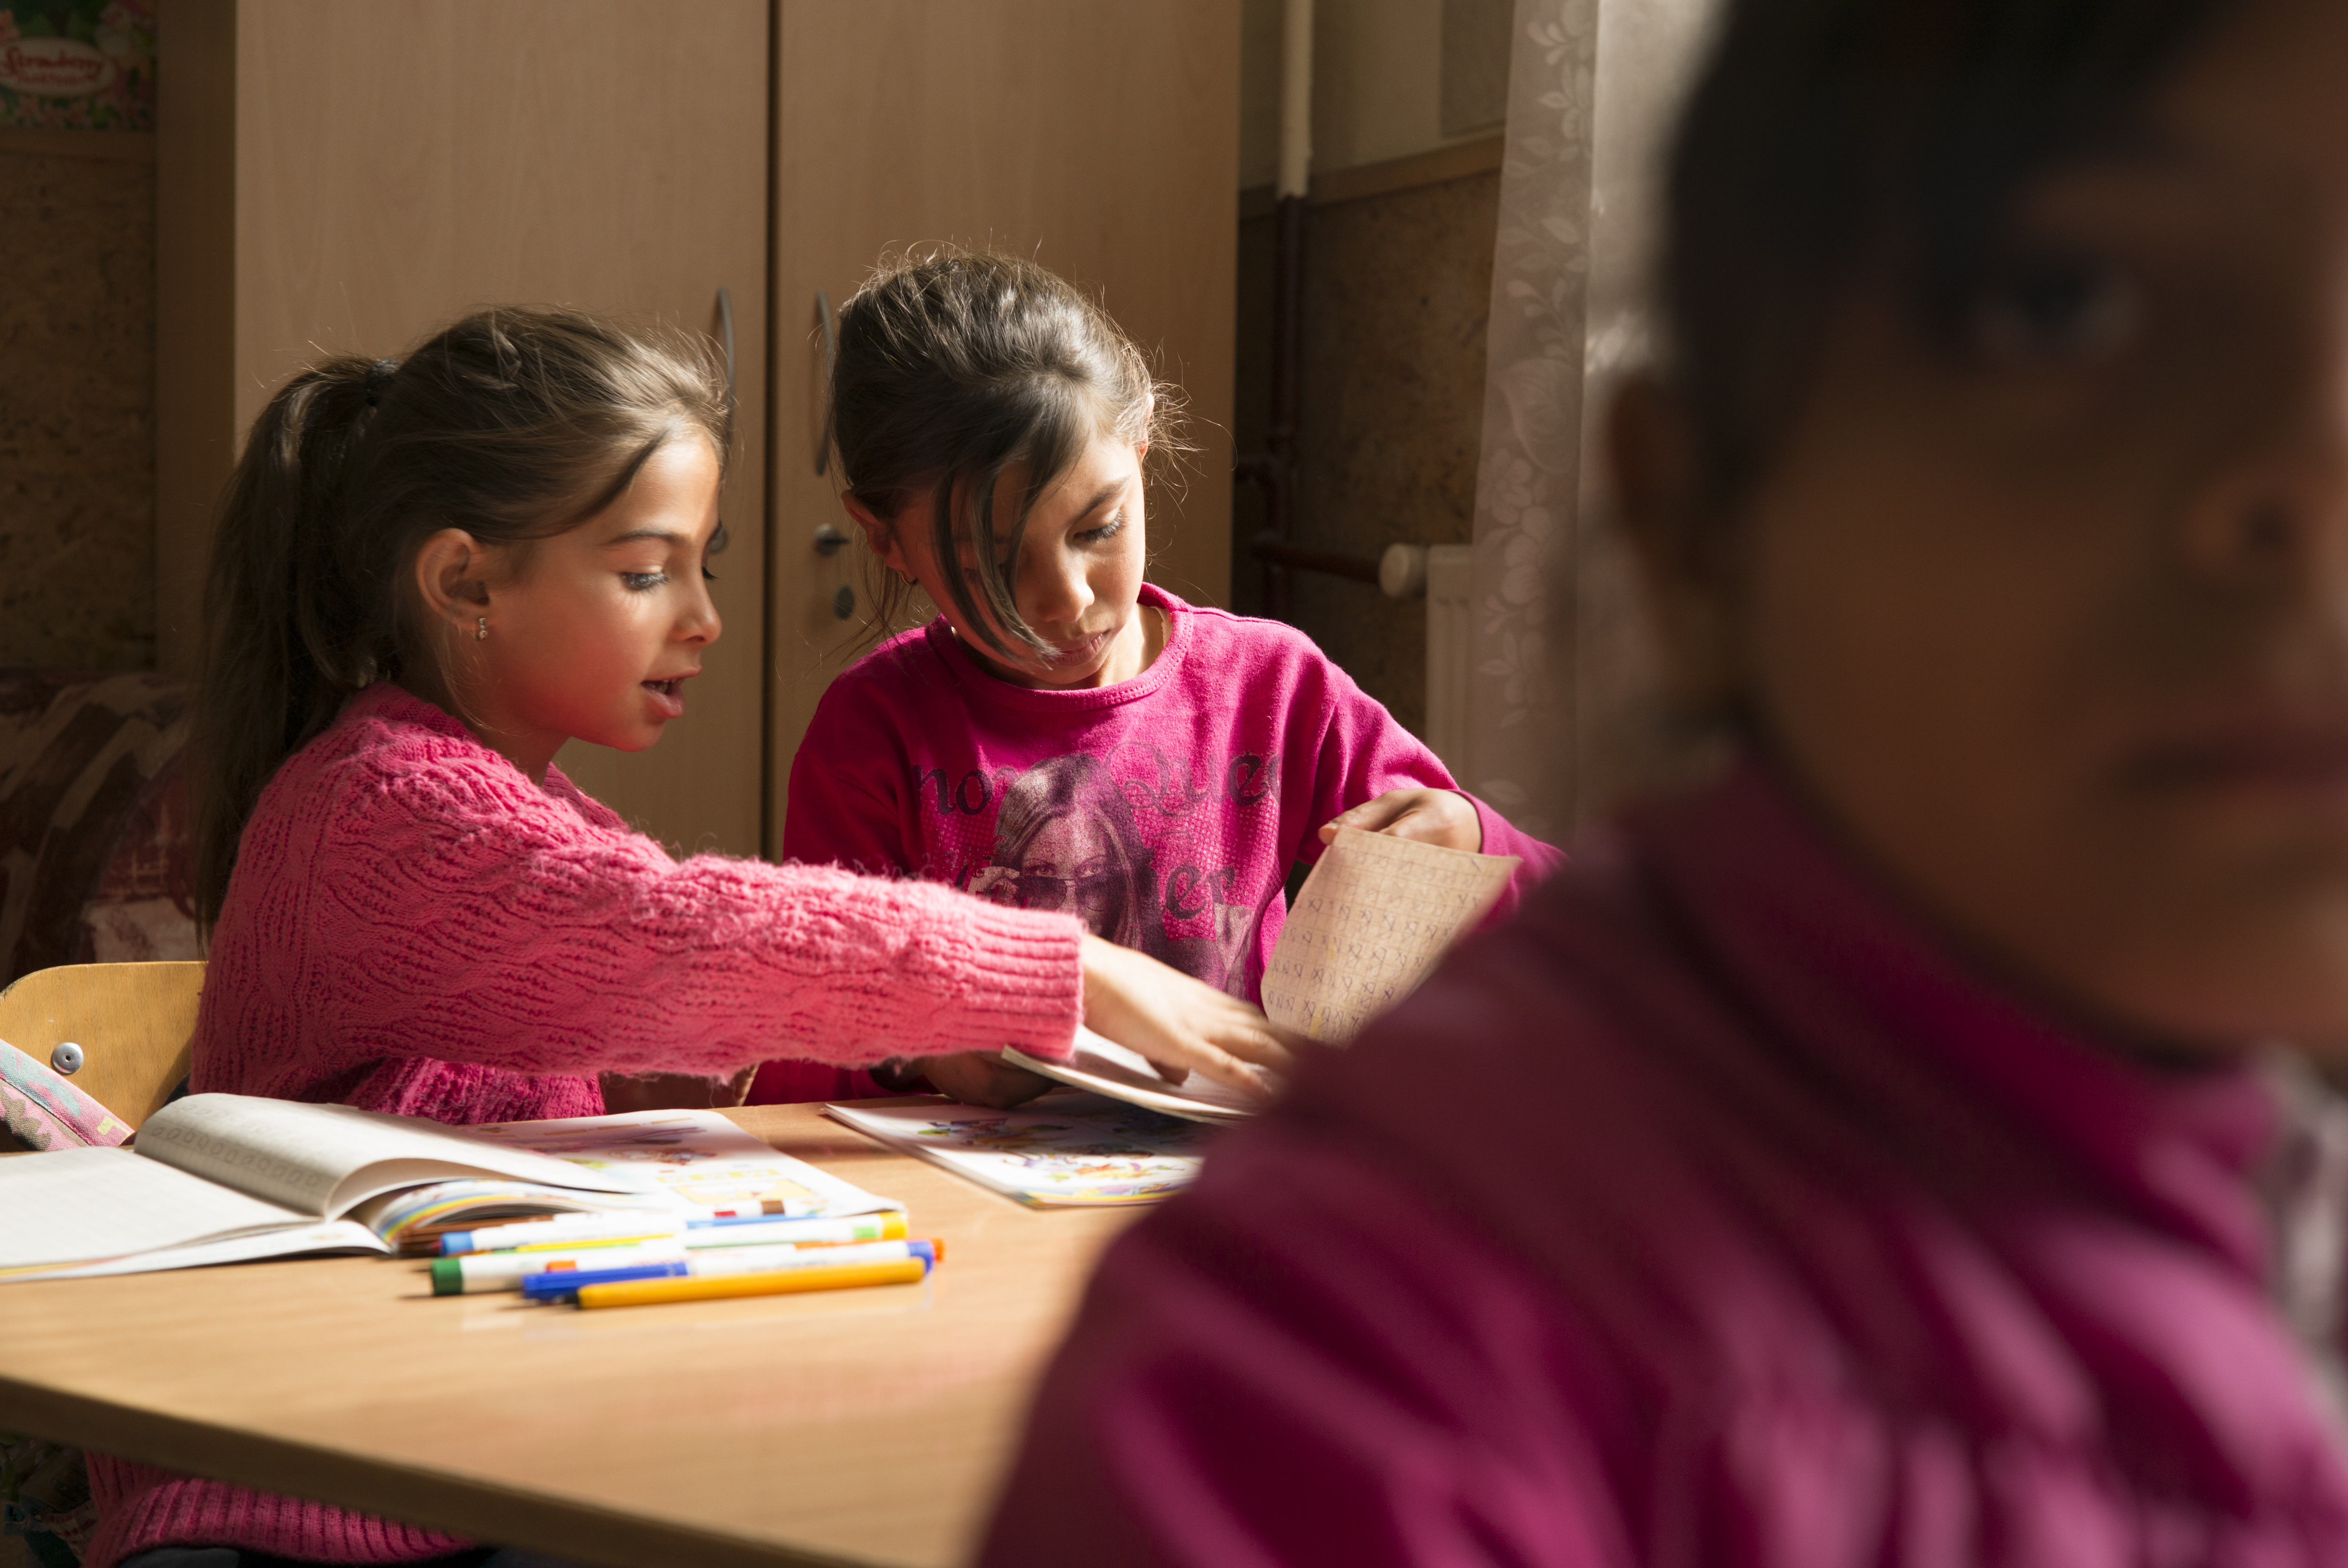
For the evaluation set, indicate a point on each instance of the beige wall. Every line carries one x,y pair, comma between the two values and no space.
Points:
1390,78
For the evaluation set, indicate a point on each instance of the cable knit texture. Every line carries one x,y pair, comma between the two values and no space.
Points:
415,927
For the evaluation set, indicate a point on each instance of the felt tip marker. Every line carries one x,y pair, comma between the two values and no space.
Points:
473,1273
605,1230
476,1273
777,1282
563,1284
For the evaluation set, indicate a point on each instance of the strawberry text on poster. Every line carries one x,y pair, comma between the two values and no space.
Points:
53,67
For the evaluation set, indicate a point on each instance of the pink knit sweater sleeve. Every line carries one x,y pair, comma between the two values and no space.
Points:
473,917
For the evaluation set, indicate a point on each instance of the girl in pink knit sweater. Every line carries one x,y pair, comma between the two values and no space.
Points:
1065,735
431,574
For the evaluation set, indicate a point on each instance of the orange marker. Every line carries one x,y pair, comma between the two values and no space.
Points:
781,1282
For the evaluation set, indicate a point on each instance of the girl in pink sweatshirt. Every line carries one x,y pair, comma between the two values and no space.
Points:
430,575
1065,735
1896,1148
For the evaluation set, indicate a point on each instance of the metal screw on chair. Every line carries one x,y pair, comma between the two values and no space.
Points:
66,1058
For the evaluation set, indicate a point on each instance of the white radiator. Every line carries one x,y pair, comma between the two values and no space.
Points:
1444,574
1450,591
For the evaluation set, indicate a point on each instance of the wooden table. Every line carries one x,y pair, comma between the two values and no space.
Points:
867,1427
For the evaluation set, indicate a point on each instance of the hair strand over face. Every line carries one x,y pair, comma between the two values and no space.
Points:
955,369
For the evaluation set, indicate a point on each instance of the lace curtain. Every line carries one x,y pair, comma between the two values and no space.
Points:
1593,88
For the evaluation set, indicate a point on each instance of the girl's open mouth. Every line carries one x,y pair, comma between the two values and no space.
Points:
668,696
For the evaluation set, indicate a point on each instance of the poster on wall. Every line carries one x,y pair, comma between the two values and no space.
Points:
77,65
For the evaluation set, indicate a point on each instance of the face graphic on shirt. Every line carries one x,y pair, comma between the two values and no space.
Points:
1073,863
1068,836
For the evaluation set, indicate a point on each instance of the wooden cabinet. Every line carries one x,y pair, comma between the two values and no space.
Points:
341,175
353,172
1099,137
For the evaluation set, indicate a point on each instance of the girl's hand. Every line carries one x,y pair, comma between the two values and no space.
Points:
982,1078
1429,816
1179,1023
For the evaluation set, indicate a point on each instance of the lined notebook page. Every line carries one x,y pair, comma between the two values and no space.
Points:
76,1203
1372,919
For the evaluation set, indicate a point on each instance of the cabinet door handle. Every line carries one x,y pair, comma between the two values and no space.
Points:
830,351
725,331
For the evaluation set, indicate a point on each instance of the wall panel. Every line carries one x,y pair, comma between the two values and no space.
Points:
396,162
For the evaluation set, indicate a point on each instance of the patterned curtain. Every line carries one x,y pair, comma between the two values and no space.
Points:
1594,87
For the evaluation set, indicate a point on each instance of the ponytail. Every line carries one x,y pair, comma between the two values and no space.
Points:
513,425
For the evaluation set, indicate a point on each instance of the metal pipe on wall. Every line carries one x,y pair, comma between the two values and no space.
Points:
1273,471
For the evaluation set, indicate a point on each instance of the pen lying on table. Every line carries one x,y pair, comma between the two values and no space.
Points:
564,1284
783,1282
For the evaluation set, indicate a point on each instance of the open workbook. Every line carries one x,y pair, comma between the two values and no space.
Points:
227,1178
1369,923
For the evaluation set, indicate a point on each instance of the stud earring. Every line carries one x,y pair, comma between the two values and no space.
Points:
481,630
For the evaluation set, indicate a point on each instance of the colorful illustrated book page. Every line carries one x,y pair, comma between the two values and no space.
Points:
1065,1150
691,1158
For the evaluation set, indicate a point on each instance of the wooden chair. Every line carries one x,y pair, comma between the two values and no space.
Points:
132,1021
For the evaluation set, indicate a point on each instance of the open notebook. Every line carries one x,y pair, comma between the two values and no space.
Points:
1369,923
227,1178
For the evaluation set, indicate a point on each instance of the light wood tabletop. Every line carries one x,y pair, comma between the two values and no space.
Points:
864,1427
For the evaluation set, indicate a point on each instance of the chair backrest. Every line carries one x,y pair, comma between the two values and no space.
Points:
132,1021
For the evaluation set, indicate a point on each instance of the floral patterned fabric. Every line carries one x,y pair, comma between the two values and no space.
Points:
94,858
40,1111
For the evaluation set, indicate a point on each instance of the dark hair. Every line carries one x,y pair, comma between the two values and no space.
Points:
1825,134
513,425
953,366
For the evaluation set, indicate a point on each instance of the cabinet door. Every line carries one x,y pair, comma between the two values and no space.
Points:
391,165
1100,138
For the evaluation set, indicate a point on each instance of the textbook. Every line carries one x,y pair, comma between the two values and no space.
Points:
1066,1150
1371,920
229,1178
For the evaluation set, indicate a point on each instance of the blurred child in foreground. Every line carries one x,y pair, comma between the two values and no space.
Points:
1901,1160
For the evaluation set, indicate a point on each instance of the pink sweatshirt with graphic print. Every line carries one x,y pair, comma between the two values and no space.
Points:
1164,811
415,927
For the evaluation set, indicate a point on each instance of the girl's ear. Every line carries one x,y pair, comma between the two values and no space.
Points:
451,577
881,535
1685,551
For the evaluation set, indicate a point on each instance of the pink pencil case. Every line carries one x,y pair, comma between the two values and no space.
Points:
43,1110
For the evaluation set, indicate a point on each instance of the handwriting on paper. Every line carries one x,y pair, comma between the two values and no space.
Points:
1372,919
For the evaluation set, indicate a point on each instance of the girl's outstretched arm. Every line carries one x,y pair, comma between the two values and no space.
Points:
402,893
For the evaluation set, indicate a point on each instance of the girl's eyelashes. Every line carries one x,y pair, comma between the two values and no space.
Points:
644,581
1106,531
2056,312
